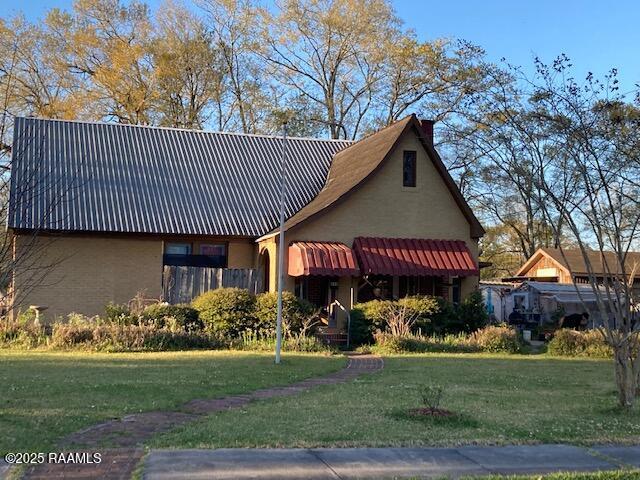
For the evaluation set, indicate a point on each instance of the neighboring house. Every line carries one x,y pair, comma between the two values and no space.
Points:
553,283
568,266
109,209
547,302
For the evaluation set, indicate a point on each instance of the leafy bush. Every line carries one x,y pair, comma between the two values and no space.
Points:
445,320
431,396
390,344
127,338
77,330
489,339
119,314
472,313
434,316
226,311
115,337
175,317
362,330
423,307
367,318
294,312
496,339
571,343
80,332
22,334
256,341
468,316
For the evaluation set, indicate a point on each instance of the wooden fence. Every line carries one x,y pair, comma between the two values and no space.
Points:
182,284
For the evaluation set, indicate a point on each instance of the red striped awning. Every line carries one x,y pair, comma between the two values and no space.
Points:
321,258
414,257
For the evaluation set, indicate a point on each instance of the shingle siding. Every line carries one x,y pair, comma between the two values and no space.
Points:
99,177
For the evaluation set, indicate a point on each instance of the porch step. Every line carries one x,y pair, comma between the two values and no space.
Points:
332,338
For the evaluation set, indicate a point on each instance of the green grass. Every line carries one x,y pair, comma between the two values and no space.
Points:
497,400
46,395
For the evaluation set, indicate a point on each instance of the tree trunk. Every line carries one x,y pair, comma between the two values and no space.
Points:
626,376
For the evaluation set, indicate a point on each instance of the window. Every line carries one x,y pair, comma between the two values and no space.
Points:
177,249
409,168
209,255
456,290
215,253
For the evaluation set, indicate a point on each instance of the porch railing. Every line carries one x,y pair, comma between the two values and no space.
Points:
182,284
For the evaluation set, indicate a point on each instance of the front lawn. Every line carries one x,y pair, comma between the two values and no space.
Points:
46,395
498,399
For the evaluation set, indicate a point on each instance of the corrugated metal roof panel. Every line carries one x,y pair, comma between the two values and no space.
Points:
321,258
414,257
77,176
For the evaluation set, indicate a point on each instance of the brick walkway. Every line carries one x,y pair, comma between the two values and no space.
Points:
119,441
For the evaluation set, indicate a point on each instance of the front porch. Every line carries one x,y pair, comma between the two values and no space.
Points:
334,277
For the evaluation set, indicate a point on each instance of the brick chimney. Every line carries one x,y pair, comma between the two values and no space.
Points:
427,130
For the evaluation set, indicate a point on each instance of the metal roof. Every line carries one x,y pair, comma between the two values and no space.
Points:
322,258
565,292
412,256
101,177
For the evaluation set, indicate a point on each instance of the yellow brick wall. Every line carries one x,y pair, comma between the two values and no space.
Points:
270,246
242,254
83,274
383,207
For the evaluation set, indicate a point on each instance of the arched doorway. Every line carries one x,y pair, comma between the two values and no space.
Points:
265,265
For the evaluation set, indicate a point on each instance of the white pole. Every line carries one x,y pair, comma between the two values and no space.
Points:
283,190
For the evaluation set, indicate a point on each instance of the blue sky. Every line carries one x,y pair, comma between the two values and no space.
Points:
596,35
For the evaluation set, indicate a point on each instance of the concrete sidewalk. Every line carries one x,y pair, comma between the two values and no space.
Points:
382,463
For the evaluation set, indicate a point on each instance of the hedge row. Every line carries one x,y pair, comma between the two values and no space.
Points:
222,318
232,311
435,316
491,339
571,343
96,334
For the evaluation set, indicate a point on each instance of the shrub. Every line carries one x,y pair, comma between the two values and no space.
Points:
20,334
472,313
423,307
496,339
226,311
76,331
433,316
256,341
164,339
294,312
431,396
119,314
445,320
175,317
115,337
571,343
389,344
366,319
468,316
362,330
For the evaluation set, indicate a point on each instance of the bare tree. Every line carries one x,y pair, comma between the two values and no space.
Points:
29,254
188,69
576,150
596,148
244,95
332,53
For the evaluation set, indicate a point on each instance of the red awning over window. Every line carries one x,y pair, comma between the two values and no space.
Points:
321,258
414,257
